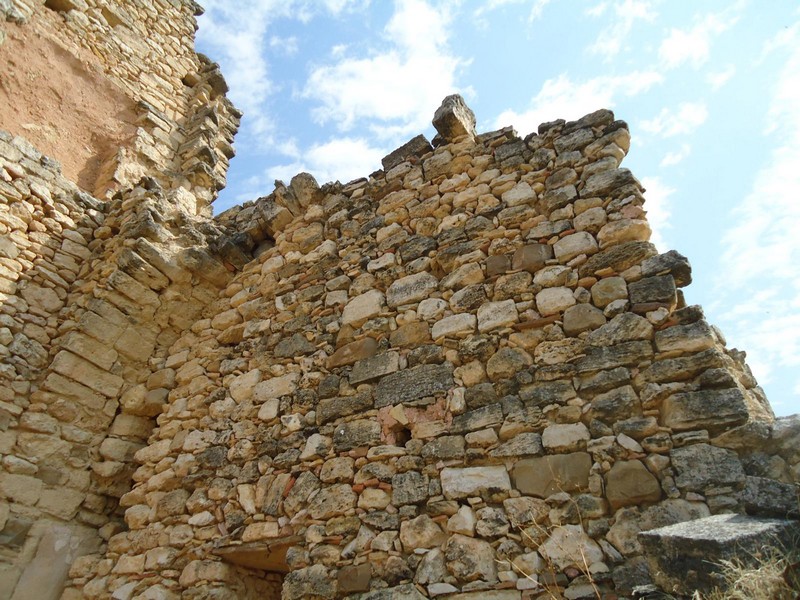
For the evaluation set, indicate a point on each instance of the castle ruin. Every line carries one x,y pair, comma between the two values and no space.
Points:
467,376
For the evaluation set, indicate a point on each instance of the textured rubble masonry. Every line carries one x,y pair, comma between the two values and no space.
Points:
467,376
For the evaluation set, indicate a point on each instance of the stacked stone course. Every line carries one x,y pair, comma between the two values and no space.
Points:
469,375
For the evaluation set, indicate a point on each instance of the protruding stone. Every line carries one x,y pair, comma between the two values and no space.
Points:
454,118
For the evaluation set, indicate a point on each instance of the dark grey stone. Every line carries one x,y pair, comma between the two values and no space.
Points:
410,487
488,416
413,384
297,345
355,434
700,466
659,288
416,146
688,556
714,410
330,409
672,263
618,258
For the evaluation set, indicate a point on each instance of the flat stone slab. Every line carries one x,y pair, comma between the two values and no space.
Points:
687,556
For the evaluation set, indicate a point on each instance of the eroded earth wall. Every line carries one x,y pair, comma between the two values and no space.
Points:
469,375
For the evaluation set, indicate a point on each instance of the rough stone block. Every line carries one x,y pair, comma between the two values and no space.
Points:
454,118
712,409
548,475
688,556
474,481
413,384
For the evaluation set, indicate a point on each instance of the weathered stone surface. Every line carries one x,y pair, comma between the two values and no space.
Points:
410,289
617,258
629,482
454,118
353,352
409,488
670,262
551,301
459,325
574,244
657,289
547,475
416,146
531,257
421,532
582,317
309,582
357,433
687,556
375,367
565,438
469,559
610,183
474,481
413,384
700,466
363,307
714,410
569,546
496,315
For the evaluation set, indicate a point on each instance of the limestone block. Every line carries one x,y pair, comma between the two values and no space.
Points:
700,466
496,315
532,257
582,317
354,352
547,475
474,481
565,437
332,501
569,546
687,556
412,384
605,291
469,559
454,118
551,301
84,372
574,244
630,483
712,409
411,289
421,532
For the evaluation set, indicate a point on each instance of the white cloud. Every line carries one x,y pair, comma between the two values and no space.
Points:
238,33
566,99
342,159
658,210
686,119
597,10
673,158
693,45
537,8
625,15
762,248
399,86
287,46
719,78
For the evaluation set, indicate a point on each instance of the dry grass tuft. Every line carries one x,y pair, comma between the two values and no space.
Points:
775,577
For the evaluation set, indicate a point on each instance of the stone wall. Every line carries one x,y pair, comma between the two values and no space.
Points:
93,290
469,375
183,125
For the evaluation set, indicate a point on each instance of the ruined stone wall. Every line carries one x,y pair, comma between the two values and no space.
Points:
94,289
173,121
469,375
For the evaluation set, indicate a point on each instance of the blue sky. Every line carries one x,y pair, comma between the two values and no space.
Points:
710,89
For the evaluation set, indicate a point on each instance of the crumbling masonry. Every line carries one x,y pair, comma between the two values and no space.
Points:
468,376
